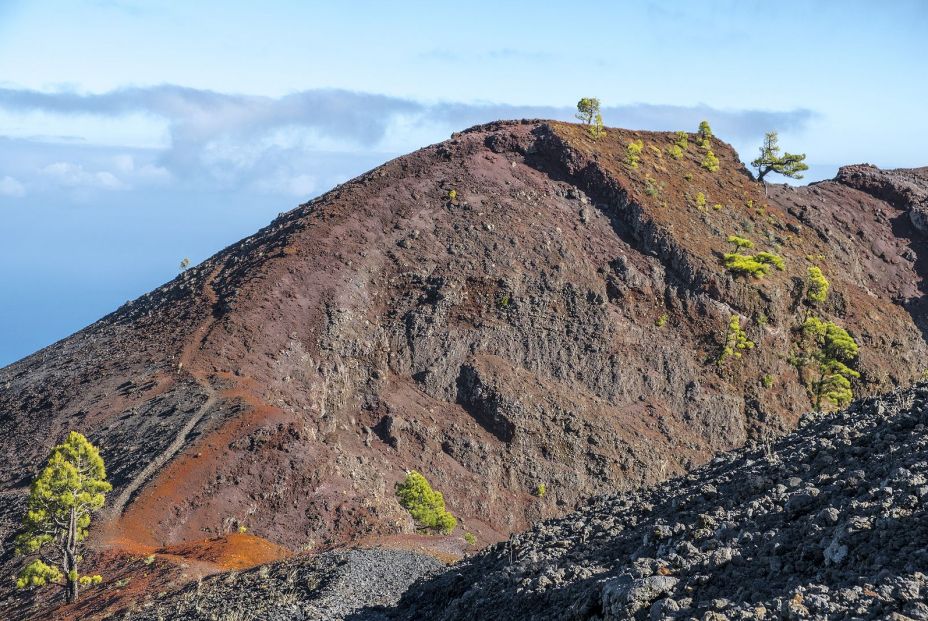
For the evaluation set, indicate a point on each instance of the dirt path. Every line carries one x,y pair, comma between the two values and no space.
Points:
186,357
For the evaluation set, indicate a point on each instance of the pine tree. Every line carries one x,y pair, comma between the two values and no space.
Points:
588,112
831,350
587,109
68,490
770,160
704,135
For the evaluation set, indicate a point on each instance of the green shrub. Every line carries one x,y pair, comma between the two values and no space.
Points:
651,187
710,162
717,207
540,490
736,341
452,195
633,152
681,141
90,580
700,200
425,505
744,265
769,258
767,381
688,176
817,286
661,321
674,151
757,265
470,539
740,242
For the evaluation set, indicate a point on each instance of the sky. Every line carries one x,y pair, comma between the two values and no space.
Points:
134,134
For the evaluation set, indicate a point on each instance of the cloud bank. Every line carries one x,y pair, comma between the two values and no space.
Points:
300,143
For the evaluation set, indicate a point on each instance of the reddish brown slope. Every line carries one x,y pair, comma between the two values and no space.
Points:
498,341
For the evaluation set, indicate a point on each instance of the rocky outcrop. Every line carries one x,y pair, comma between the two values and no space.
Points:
830,521
905,188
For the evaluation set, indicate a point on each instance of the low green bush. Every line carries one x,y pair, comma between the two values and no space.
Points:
710,162
651,187
425,505
633,152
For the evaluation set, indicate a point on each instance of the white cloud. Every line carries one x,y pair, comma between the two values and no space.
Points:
10,186
129,169
72,175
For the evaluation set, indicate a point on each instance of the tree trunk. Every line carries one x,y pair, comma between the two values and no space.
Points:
70,559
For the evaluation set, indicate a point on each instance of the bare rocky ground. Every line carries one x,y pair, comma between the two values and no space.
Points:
329,586
829,522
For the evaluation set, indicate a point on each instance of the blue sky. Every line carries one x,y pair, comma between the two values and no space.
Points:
133,134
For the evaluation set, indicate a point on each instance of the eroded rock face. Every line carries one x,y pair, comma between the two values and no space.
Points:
830,521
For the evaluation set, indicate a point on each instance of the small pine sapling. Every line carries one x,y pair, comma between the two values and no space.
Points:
817,286
739,242
736,341
704,135
828,352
